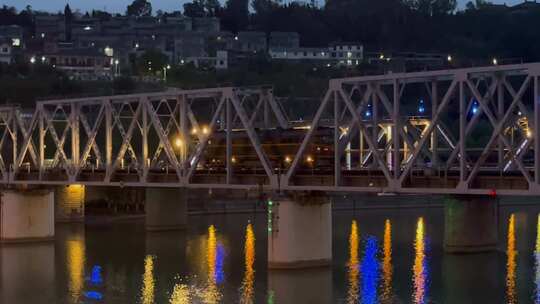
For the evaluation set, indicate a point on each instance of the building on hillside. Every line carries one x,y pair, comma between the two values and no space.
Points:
206,24
250,42
81,64
50,27
347,53
284,40
218,62
6,51
13,33
300,54
189,45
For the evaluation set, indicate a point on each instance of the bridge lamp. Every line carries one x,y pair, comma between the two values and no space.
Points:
194,131
309,159
474,108
43,59
528,133
178,143
288,159
205,130
421,107
495,61
233,160
449,58
33,60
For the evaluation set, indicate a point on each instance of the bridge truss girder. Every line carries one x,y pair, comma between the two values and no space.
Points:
164,139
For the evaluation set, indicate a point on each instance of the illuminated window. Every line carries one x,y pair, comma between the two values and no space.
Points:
16,42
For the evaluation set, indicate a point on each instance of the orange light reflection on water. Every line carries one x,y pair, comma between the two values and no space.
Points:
249,274
353,266
511,254
419,267
387,268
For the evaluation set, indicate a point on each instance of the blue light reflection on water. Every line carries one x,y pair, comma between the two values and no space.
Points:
369,269
95,277
220,257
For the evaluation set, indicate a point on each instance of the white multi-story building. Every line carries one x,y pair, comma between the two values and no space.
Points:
336,54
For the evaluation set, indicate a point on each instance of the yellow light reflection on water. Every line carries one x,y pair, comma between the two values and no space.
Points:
75,263
352,296
249,275
387,262
211,293
180,294
148,287
419,267
511,262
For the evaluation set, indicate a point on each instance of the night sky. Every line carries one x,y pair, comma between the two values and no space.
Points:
119,6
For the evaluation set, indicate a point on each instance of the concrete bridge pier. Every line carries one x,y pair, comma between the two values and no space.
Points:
166,209
26,215
300,231
470,223
69,203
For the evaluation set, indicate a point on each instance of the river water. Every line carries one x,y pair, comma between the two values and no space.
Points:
379,256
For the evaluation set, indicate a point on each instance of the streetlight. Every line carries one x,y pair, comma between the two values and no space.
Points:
495,61
449,58
33,59
116,63
168,67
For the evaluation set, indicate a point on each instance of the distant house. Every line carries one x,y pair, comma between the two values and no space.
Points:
13,33
336,54
189,45
82,64
206,24
299,53
250,42
284,40
50,27
347,53
6,51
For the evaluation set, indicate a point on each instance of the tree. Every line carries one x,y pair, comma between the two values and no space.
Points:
151,61
194,9
235,15
139,8
202,8
68,18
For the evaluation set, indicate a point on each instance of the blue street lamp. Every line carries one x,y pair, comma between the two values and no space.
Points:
421,107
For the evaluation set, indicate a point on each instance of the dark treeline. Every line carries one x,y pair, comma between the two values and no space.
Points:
481,30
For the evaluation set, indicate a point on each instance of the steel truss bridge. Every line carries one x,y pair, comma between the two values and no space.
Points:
477,134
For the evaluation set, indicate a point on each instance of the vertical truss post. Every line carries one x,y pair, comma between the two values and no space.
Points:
337,133
266,110
462,127
395,130
186,140
435,134
228,144
145,107
42,131
500,114
75,137
375,125
14,120
108,138
536,96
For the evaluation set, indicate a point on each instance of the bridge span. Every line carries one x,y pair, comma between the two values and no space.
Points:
468,133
